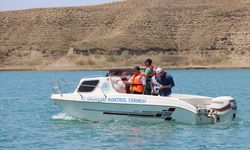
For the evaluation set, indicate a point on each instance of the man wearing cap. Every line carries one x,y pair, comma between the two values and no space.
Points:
165,80
137,81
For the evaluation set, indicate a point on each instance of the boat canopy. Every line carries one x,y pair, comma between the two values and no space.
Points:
119,72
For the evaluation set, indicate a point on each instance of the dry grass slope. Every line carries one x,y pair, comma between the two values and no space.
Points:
175,33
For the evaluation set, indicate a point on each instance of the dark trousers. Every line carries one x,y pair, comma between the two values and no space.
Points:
127,88
148,87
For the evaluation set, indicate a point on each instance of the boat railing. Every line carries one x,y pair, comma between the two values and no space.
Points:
60,86
56,88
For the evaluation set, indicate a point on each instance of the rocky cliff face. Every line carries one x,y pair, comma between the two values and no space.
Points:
173,32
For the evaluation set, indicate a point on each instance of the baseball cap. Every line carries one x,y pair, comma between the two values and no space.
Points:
158,70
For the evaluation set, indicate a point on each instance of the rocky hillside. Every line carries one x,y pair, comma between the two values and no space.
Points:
175,33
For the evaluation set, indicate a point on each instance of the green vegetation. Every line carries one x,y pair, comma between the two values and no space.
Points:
223,14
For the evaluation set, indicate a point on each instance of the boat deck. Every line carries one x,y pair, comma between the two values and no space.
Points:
193,99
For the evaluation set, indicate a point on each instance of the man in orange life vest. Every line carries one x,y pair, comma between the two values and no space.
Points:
137,82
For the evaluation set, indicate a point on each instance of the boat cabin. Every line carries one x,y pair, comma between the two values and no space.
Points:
114,78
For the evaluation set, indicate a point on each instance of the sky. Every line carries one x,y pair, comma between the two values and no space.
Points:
26,4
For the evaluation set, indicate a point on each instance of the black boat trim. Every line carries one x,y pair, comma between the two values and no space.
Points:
164,114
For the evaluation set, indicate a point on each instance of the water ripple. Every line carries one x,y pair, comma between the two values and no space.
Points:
62,116
29,120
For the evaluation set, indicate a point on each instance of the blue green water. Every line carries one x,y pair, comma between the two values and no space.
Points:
29,120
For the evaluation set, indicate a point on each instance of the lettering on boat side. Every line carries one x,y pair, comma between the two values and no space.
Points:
116,100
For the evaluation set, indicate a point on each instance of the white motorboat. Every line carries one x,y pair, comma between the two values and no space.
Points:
97,99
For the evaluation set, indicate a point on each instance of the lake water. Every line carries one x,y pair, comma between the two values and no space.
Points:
29,120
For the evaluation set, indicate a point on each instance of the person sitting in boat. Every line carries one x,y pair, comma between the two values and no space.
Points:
149,73
137,82
126,77
165,82
119,86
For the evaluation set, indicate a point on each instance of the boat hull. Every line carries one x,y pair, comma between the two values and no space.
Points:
97,99
104,112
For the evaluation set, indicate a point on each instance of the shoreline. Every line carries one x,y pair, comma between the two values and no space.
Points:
104,69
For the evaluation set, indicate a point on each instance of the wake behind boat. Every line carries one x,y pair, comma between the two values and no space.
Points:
97,99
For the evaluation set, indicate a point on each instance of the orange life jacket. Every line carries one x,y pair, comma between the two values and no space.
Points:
136,85
142,74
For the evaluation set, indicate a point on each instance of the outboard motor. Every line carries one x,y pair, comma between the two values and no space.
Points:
223,109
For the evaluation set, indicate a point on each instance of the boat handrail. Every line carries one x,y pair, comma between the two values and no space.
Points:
92,76
57,89
68,83
57,85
